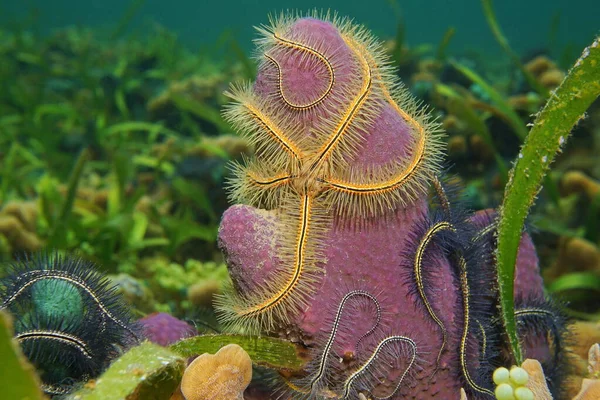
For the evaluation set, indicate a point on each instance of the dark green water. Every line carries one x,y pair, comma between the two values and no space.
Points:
529,24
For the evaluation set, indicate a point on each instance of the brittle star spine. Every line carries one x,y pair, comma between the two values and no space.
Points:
402,176
464,283
274,181
350,112
483,339
61,337
533,311
334,329
268,125
40,275
429,235
363,368
442,197
547,316
484,231
285,291
57,390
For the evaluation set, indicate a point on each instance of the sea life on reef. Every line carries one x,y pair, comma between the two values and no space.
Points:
69,321
590,387
537,384
164,329
537,380
578,182
512,384
17,227
335,134
336,244
545,71
359,269
222,376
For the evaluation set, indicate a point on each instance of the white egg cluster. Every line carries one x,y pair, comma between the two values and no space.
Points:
510,385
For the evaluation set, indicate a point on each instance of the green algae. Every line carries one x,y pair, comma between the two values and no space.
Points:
444,43
145,372
18,379
58,234
576,281
549,133
268,352
122,236
498,99
490,17
458,106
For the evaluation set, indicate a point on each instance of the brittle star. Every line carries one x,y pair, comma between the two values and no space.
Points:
307,176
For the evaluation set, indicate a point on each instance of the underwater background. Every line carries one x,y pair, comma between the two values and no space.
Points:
117,140
529,25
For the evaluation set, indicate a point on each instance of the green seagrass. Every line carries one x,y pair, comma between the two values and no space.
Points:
566,106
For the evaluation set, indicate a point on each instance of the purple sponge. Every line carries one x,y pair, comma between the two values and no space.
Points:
335,246
164,329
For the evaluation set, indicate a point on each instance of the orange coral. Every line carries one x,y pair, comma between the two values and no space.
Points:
232,145
222,376
201,294
545,71
552,78
594,360
18,227
578,182
452,123
590,388
583,335
457,146
539,65
530,102
423,76
574,255
481,148
537,379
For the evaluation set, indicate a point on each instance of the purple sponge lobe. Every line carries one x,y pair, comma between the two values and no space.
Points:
164,329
